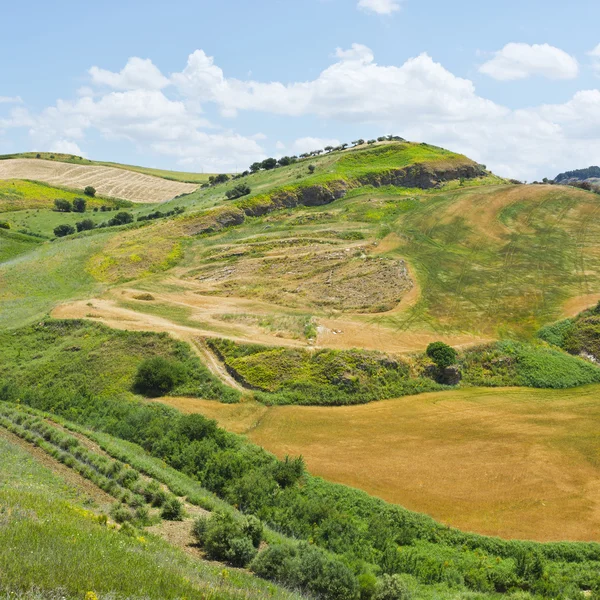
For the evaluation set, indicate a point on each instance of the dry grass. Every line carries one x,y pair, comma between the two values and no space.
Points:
108,181
519,463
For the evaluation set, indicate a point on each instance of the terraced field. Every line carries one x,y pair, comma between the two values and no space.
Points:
108,181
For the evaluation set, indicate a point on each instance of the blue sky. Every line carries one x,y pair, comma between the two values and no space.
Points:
216,85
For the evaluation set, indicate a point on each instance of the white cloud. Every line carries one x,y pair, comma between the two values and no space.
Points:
308,144
138,73
380,7
595,54
354,88
520,61
11,100
418,99
66,147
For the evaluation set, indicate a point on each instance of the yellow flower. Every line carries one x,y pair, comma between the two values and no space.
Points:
90,596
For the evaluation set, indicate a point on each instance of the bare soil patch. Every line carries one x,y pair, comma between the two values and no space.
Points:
108,181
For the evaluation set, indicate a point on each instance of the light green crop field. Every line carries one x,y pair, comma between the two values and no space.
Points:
18,194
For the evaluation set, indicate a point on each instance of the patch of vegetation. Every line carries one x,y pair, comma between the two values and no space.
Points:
364,535
323,377
580,335
13,244
80,357
510,363
48,524
18,194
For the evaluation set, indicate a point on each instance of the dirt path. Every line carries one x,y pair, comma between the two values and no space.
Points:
342,333
108,181
215,366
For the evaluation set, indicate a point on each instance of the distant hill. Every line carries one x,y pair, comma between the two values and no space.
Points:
578,175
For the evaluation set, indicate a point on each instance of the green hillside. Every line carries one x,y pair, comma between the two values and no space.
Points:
318,282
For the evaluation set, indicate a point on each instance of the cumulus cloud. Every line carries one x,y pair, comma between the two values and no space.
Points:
146,118
520,61
418,99
138,73
380,7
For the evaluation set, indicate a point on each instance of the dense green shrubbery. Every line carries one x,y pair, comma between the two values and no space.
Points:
308,569
580,335
512,363
158,376
227,538
441,354
326,377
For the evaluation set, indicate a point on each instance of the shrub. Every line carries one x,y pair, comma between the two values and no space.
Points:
62,205
242,189
395,587
441,354
90,191
79,205
224,537
63,230
120,513
121,218
312,168
4,225
158,376
85,225
172,510
307,568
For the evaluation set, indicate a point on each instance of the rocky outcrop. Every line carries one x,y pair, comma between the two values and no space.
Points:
416,176
422,176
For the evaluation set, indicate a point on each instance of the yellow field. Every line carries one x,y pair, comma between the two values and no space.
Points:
108,181
518,463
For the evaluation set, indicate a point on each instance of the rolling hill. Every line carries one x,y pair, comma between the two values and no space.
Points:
322,282
108,181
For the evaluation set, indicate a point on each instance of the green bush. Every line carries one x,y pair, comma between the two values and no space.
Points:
226,538
4,225
441,354
89,191
172,510
307,568
158,376
395,587
79,204
62,205
63,230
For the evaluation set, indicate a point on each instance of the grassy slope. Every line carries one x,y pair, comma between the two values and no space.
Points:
71,357
19,194
63,548
31,284
14,244
78,160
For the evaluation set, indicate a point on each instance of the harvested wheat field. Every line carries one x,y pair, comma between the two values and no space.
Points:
108,181
517,463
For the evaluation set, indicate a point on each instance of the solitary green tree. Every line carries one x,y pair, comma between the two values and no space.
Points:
90,191
441,354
